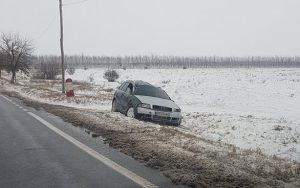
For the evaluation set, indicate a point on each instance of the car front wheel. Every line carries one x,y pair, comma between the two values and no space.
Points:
177,124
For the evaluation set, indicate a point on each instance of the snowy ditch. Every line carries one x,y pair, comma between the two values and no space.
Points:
256,109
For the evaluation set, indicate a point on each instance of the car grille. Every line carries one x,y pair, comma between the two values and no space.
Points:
165,119
162,108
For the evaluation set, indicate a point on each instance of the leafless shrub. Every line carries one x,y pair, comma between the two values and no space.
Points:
47,67
71,70
111,75
50,69
37,74
166,81
91,78
278,128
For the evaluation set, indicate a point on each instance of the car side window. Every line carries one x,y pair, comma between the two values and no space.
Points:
129,89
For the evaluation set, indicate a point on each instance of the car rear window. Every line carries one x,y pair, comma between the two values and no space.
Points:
150,91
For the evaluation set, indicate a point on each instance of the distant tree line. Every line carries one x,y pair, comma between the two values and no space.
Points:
130,62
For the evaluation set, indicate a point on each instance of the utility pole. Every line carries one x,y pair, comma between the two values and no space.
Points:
62,47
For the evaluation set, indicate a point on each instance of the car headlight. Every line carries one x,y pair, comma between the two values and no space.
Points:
143,105
178,110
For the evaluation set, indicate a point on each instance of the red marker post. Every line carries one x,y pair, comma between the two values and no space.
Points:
69,88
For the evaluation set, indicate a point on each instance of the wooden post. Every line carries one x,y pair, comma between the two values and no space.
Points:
62,47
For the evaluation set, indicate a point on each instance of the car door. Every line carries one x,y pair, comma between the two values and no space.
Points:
127,95
119,96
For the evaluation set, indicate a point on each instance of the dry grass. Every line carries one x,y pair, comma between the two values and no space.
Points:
81,85
51,90
184,158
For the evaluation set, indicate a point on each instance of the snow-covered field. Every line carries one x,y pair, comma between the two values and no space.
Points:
255,109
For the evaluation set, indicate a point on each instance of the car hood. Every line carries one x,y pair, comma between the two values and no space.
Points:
157,101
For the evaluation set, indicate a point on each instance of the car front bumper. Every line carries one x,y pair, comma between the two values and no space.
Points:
159,116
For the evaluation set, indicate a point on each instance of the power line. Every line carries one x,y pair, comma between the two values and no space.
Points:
48,27
53,19
74,3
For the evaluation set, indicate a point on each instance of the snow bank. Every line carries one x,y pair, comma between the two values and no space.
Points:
251,108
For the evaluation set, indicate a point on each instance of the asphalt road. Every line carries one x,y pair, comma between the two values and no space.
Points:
38,149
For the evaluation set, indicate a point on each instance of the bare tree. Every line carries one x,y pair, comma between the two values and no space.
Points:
2,62
17,53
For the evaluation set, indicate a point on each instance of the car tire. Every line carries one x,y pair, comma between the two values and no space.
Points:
177,124
113,106
130,112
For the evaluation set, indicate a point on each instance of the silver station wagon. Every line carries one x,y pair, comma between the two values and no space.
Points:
142,100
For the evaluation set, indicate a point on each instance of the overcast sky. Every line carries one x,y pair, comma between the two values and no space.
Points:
163,27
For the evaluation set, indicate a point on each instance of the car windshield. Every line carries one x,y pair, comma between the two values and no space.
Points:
151,91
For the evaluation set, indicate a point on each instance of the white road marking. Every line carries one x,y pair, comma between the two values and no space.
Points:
14,103
7,99
125,172
118,168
